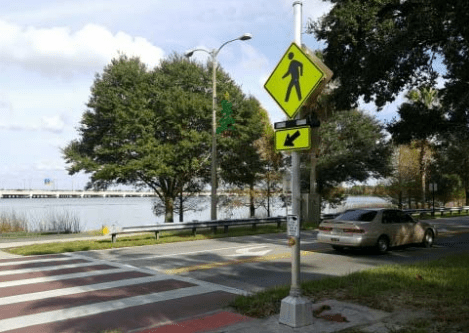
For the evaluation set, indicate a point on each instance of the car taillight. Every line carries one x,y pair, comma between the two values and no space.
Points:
325,229
354,231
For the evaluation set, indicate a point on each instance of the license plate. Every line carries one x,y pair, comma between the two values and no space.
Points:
334,239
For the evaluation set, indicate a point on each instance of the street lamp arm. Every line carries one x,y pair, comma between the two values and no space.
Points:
216,52
243,37
189,53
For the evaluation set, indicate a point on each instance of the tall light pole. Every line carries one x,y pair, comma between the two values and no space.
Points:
213,54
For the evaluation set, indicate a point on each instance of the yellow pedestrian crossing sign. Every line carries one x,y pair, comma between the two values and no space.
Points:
293,80
293,138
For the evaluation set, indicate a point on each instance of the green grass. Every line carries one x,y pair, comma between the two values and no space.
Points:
446,215
144,239
26,234
443,290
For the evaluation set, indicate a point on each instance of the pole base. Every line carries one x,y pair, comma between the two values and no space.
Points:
296,312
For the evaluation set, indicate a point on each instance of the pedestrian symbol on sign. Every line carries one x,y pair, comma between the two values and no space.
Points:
295,70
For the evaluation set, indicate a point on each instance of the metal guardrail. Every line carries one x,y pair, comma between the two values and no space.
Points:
440,210
420,212
194,225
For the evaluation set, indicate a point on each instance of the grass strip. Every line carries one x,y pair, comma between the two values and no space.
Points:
439,286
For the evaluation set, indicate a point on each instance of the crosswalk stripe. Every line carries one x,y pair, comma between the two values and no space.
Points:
61,277
41,269
31,261
61,293
75,290
97,308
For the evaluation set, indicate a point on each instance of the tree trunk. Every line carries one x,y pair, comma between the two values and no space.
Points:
252,209
422,171
268,197
169,207
466,191
181,210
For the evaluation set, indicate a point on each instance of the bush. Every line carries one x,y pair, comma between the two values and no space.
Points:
64,222
12,223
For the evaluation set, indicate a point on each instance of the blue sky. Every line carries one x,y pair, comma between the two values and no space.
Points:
51,51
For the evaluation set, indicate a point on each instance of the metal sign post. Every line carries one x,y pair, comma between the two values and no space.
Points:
296,311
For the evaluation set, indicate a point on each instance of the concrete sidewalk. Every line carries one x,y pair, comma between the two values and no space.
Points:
334,317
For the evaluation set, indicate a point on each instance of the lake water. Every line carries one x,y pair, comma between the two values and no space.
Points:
93,213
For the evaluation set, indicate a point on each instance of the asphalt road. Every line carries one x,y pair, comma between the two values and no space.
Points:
169,284
253,263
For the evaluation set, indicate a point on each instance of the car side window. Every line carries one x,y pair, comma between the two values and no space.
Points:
386,217
390,216
406,218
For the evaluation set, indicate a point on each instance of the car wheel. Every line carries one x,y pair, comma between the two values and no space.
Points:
428,238
338,248
383,244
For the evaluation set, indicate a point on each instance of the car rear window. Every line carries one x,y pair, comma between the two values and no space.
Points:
358,215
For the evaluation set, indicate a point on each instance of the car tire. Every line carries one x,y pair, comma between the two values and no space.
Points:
338,248
382,245
428,239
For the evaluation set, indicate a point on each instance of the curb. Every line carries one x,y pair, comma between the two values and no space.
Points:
200,324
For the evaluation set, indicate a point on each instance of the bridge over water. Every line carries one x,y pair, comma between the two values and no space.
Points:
5,194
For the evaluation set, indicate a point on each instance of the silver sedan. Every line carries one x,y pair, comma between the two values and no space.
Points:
379,228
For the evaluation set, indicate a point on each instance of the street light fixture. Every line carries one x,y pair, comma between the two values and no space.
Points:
213,54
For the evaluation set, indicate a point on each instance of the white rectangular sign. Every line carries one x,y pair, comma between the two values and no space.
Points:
293,226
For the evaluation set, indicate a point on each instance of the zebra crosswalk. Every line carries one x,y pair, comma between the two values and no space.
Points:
70,293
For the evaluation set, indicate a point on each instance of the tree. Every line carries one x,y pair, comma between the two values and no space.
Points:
145,128
260,166
153,127
420,120
453,159
272,160
240,158
404,180
380,48
185,202
449,185
352,149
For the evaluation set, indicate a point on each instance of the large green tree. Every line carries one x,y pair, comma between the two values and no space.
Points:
151,128
379,48
353,148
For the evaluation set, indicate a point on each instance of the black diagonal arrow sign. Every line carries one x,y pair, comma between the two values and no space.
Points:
293,138
289,139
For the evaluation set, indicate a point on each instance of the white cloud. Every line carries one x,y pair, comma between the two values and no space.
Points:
50,165
58,51
18,127
65,9
53,124
5,104
263,79
252,59
315,9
